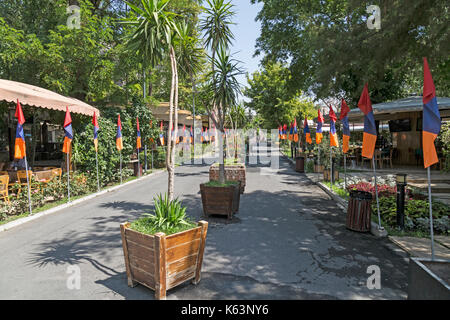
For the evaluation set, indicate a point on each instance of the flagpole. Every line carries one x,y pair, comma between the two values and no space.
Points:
431,213
68,176
28,184
345,171
376,193
120,153
96,164
331,165
139,164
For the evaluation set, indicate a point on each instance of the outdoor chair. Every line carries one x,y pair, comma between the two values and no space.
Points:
22,178
57,173
388,158
4,181
4,173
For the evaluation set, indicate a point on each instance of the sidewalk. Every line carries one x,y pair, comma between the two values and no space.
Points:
414,247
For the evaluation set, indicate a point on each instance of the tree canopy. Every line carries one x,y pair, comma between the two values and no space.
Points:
332,52
273,100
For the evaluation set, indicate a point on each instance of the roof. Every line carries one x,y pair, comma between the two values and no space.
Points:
410,104
42,98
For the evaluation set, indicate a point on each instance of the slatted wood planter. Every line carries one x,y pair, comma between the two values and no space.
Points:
162,262
220,200
232,173
327,175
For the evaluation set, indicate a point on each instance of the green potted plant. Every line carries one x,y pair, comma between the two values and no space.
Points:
164,249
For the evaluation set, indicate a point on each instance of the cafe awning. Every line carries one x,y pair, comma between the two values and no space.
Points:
42,98
384,111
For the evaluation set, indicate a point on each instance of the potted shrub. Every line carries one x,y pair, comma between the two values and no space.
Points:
165,249
220,198
234,171
327,174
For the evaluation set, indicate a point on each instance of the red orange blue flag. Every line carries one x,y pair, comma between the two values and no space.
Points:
370,131
319,130
333,136
138,137
96,129
67,132
161,134
19,147
119,140
346,127
431,118
306,131
291,132
295,131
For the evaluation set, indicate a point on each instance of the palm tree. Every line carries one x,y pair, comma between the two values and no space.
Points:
153,38
191,57
218,37
216,26
226,89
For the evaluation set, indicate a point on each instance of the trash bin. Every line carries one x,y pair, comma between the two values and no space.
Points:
300,164
138,169
359,211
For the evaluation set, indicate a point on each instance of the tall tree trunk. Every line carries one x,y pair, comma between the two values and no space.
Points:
170,145
173,121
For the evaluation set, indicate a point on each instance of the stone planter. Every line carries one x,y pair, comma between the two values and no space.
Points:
220,200
428,279
162,262
327,175
232,173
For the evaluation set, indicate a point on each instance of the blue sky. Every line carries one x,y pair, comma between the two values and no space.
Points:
246,30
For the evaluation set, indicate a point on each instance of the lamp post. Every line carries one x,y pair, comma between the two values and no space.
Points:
401,186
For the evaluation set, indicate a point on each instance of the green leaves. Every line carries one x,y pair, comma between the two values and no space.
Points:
168,217
272,99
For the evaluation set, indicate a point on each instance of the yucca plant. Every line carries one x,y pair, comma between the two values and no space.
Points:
169,217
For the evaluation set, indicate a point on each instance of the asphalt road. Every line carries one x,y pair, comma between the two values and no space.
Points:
288,241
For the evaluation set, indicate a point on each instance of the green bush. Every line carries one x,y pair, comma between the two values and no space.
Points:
416,214
108,156
169,217
444,142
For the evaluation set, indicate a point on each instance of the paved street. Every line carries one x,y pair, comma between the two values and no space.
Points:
288,241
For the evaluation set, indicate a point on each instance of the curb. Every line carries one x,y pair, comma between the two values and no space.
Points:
21,221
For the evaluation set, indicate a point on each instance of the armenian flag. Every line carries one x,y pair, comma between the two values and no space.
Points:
161,134
333,136
138,138
295,131
192,136
370,131
319,130
68,132
346,127
280,132
284,132
306,131
431,118
202,135
19,147
119,142
291,132
96,129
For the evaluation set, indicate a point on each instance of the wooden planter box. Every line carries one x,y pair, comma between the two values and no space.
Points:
162,262
232,173
327,175
220,200
318,169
